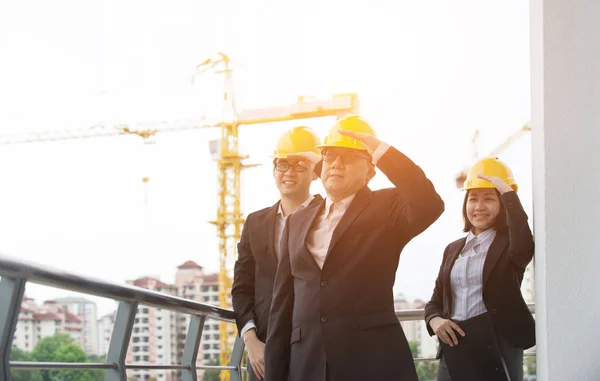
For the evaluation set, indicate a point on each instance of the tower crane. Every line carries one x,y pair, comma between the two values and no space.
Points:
229,219
462,175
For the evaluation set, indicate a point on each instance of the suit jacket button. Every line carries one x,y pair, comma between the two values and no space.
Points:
324,283
323,320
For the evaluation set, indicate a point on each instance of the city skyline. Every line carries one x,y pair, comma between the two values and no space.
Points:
195,286
107,306
158,335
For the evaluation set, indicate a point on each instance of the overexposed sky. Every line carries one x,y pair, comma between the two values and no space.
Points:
428,74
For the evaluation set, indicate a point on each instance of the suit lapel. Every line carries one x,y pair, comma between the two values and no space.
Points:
361,200
315,208
452,257
268,228
494,253
317,199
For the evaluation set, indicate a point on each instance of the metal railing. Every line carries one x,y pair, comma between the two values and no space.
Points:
16,273
419,315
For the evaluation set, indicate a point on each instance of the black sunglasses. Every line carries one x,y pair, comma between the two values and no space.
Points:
347,157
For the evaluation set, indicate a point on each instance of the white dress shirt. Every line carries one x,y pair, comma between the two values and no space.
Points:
319,236
466,277
280,221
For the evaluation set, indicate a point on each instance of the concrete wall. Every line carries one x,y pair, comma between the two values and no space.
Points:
565,87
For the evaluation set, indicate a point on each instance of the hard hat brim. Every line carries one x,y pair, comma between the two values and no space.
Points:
339,146
486,185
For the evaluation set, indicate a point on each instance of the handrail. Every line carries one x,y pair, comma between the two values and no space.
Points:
11,267
419,314
19,272
20,269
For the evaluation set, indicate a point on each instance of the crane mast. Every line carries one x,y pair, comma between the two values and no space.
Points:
462,175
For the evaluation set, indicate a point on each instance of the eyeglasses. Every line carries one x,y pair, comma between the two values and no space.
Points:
347,157
284,166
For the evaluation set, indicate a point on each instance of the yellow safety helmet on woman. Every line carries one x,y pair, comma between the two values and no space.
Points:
351,123
490,166
296,140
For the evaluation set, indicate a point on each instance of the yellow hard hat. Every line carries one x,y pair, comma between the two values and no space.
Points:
296,140
351,123
490,166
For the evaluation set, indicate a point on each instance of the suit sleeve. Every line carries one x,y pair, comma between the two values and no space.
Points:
521,244
435,306
277,349
242,290
415,204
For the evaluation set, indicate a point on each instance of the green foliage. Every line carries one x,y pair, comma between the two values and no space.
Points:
70,353
47,347
530,365
98,375
427,370
18,355
414,348
96,358
212,375
62,348
23,374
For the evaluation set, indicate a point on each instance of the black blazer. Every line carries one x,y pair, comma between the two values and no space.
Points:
254,271
508,256
343,316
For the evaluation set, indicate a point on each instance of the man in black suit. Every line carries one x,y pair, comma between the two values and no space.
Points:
293,170
332,315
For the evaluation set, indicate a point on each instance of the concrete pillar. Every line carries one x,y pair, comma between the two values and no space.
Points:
565,89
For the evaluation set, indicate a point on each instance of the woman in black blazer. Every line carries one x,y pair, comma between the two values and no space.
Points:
477,309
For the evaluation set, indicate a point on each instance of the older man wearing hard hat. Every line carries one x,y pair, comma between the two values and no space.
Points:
295,158
332,314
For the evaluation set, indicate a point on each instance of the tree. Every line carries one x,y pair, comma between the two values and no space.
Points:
23,374
245,363
212,375
62,348
97,375
414,348
530,364
71,353
427,371
96,358
46,348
